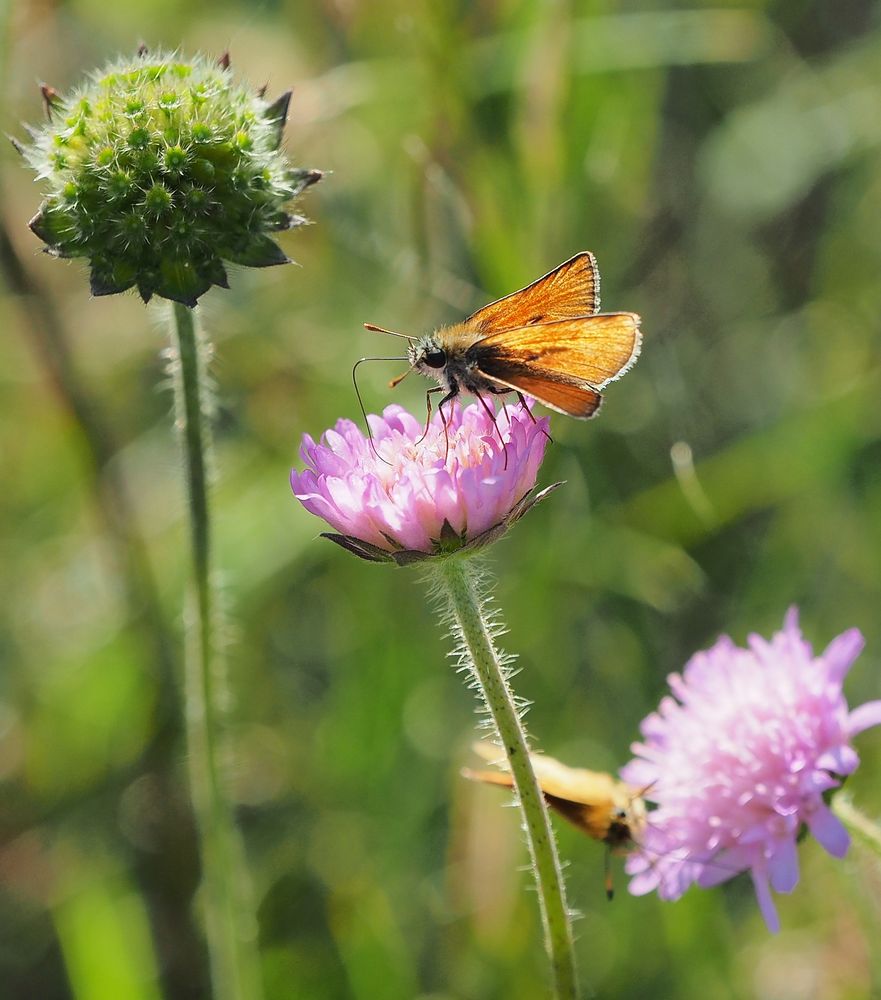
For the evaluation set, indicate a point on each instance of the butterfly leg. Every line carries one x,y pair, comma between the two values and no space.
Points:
531,415
437,388
450,396
491,413
607,870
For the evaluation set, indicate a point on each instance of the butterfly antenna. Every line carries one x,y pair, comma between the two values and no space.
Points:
391,333
361,403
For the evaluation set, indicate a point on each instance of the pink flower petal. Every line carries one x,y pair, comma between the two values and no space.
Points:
783,867
766,903
720,869
829,830
643,883
842,651
839,760
864,717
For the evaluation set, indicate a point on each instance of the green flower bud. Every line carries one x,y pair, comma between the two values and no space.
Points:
160,169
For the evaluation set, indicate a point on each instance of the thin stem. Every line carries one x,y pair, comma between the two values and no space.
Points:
867,830
457,583
229,921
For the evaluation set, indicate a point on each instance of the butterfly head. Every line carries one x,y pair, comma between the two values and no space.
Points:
427,356
627,817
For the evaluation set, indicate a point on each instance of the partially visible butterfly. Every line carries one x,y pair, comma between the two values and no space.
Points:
599,805
547,340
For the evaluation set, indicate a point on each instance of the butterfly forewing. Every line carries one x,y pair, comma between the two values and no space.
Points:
570,290
576,784
593,349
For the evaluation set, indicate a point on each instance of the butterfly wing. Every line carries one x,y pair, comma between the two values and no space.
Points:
570,290
575,784
571,398
594,819
562,364
588,799
554,777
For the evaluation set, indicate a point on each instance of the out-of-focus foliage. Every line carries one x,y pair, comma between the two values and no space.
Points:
723,163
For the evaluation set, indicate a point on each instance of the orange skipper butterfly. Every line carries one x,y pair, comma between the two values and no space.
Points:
599,805
547,340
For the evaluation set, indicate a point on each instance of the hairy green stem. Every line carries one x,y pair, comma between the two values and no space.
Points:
229,920
457,583
867,831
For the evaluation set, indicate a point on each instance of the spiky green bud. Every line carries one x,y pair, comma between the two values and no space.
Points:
159,169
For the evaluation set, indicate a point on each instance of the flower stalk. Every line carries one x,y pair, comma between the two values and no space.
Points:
456,582
229,922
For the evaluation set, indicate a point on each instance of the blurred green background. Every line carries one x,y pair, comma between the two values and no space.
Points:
722,161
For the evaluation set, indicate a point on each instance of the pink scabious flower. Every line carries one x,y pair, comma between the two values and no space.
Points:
413,494
738,761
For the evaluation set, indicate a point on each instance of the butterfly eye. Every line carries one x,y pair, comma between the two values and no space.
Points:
435,359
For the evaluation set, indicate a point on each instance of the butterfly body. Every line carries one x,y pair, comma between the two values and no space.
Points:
600,805
614,813
547,340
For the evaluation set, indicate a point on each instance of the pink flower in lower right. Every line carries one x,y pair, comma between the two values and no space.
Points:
738,759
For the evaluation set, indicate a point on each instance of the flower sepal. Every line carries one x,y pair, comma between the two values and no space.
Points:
276,116
300,178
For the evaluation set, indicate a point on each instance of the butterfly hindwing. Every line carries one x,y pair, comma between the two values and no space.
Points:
562,364
574,400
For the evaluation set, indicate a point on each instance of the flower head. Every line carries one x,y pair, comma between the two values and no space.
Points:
738,760
160,168
412,494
